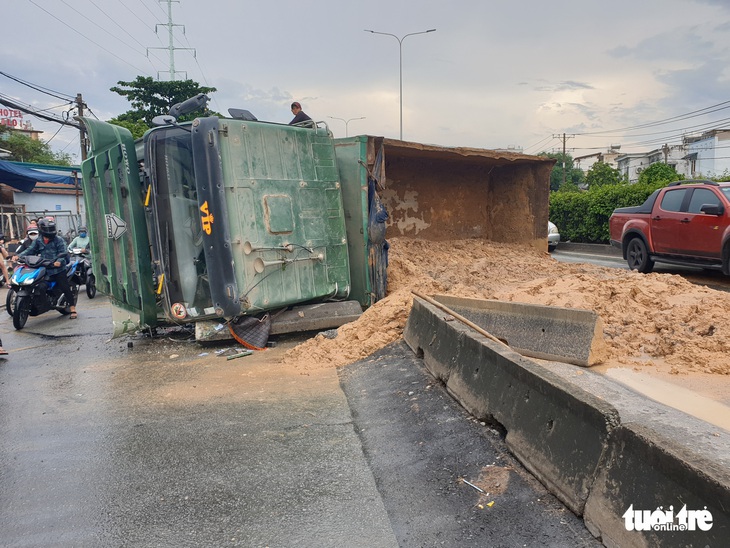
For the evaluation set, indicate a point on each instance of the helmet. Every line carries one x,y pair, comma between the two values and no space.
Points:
82,228
47,227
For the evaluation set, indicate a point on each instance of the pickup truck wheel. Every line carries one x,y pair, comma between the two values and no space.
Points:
726,259
637,255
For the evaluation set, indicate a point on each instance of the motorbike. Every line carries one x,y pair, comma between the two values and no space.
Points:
84,274
33,294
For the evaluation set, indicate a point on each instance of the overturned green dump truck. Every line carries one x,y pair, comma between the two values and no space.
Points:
256,227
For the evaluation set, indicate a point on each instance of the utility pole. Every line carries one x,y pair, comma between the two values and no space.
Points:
171,44
563,138
84,146
82,134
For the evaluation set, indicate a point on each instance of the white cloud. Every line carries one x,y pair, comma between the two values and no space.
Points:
493,74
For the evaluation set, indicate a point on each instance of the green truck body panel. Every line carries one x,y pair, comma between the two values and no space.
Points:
285,213
351,160
117,226
230,217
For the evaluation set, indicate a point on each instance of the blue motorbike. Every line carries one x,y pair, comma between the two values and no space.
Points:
33,294
84,273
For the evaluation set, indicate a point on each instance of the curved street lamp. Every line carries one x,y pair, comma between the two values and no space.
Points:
400,49
346,121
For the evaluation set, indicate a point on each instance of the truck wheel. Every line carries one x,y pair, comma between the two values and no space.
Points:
21,312
637,255
726,259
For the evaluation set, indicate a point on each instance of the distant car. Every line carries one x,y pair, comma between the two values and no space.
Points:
553,236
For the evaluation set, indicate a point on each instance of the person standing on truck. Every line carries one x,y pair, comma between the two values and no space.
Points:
299,114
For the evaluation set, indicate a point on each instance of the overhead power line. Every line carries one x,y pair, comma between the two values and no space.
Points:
47,91
9,102
140,71
694,114
121,28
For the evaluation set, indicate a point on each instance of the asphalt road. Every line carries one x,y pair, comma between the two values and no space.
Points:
167,444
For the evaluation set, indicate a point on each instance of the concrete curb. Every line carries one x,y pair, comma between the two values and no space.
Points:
571,439
595,249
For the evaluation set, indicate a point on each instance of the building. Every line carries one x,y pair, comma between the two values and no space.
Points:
586,162
709,154
29,191
631,165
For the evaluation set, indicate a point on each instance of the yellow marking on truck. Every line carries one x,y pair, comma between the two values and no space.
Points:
207,219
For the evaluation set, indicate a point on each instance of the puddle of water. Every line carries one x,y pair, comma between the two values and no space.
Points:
674,396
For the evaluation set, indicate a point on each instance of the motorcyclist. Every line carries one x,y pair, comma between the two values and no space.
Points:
51,246
82,240
31,234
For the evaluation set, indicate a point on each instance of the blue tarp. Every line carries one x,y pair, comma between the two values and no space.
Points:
25,178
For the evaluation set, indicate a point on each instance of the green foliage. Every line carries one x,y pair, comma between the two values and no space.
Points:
573,175
583,216
24,149
722,178
569,187
136,127
151,98
602,174
659,172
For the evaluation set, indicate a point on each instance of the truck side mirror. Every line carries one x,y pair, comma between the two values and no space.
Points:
712,209
189,105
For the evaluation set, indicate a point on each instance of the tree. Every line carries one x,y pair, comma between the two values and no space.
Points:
24,149
135,127
602,174
573,175
151,98
659,172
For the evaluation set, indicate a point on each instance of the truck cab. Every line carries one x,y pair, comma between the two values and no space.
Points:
219,218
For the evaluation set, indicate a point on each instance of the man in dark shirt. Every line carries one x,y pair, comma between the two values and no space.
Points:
51,246
299,114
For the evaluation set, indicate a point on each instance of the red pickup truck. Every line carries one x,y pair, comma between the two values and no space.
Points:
686,222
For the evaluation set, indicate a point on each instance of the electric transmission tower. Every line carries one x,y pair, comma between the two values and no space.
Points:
171,44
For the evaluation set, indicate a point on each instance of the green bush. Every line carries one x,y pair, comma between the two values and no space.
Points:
583,216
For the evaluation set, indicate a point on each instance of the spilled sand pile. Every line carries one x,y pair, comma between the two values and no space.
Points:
654,319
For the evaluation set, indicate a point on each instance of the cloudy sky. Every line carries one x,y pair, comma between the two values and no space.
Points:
494,74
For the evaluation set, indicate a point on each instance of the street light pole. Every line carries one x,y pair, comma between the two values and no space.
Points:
400,50
346,121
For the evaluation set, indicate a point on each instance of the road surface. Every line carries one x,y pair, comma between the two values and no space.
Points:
167,444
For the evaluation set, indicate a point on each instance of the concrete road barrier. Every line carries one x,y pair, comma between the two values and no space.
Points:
547,332
559,433
573,440
645,470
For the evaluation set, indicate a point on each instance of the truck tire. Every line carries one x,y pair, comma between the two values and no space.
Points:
637,255
726,259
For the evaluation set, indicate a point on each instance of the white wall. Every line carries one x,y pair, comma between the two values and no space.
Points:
39,201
